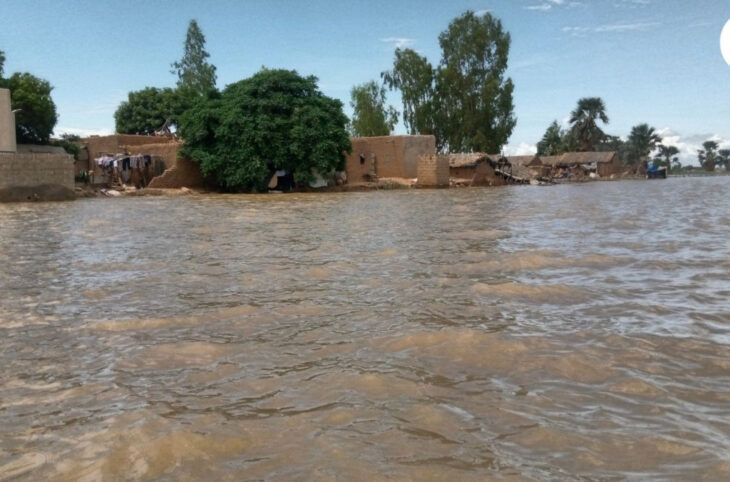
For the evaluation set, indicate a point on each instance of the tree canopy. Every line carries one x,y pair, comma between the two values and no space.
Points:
36,113
147,110
2,63
642,141
584,122
273,120
708,155
370,116
666,155
552,142
466,102
195,75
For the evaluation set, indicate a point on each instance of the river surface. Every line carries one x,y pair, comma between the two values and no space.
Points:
574,332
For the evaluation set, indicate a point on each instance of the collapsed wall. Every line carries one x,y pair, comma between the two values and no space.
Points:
184,173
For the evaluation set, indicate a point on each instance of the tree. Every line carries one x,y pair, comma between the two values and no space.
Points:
273,120
584,122
666,155
146,110
2,63
723,158
708,155
371,117
36,113
551,143
467,101
195,75
414,77
642,141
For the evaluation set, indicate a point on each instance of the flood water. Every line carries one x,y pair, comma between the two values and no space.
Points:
527,333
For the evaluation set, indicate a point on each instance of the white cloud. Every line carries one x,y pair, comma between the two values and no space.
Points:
544,7
689,145
522,149
399,42
549,4
80,131
608,28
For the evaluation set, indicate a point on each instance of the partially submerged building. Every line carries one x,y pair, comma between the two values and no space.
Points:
529,167
604,164
164,169
30,172
387,157
477,169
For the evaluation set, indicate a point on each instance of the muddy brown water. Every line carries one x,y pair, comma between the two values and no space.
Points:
526,333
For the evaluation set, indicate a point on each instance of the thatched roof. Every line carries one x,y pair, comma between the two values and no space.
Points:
473,158
572,158
533,160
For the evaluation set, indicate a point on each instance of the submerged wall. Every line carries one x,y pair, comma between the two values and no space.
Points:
7,123
36,177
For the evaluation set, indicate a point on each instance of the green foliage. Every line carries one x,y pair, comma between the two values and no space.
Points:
584,122
70,143
466,102
147,110
371,117
642,141
2,63
666,156
708,155
196,76
723,158
551,143
36,116
414,77
273,120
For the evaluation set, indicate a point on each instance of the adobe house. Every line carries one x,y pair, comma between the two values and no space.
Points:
604,164
29,172
387,156
476,169
528,167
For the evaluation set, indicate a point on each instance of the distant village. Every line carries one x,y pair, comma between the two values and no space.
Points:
122,164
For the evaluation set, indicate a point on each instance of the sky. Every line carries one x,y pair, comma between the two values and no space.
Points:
653,61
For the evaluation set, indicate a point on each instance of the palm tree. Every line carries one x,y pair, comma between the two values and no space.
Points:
666,153
723,158
643,139
708,155
584,122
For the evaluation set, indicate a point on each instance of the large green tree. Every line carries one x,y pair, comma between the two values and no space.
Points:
643,139
666,155
36,113
2,63
708,155
584,122
371,117
196,76
273,120
467,101
413,76
147,110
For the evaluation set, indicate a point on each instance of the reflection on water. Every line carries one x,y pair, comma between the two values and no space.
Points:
561,333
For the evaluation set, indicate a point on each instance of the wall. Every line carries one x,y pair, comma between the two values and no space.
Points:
7,123
36,177
433,171
394,156
480,175
605,169
185,173
114,144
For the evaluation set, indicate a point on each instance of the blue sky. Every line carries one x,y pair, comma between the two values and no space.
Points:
655,61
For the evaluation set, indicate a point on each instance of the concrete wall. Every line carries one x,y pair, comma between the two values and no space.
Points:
433,171
36,177
393,156
7,123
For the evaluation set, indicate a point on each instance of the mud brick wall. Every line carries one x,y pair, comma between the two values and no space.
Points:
433,171
185,173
